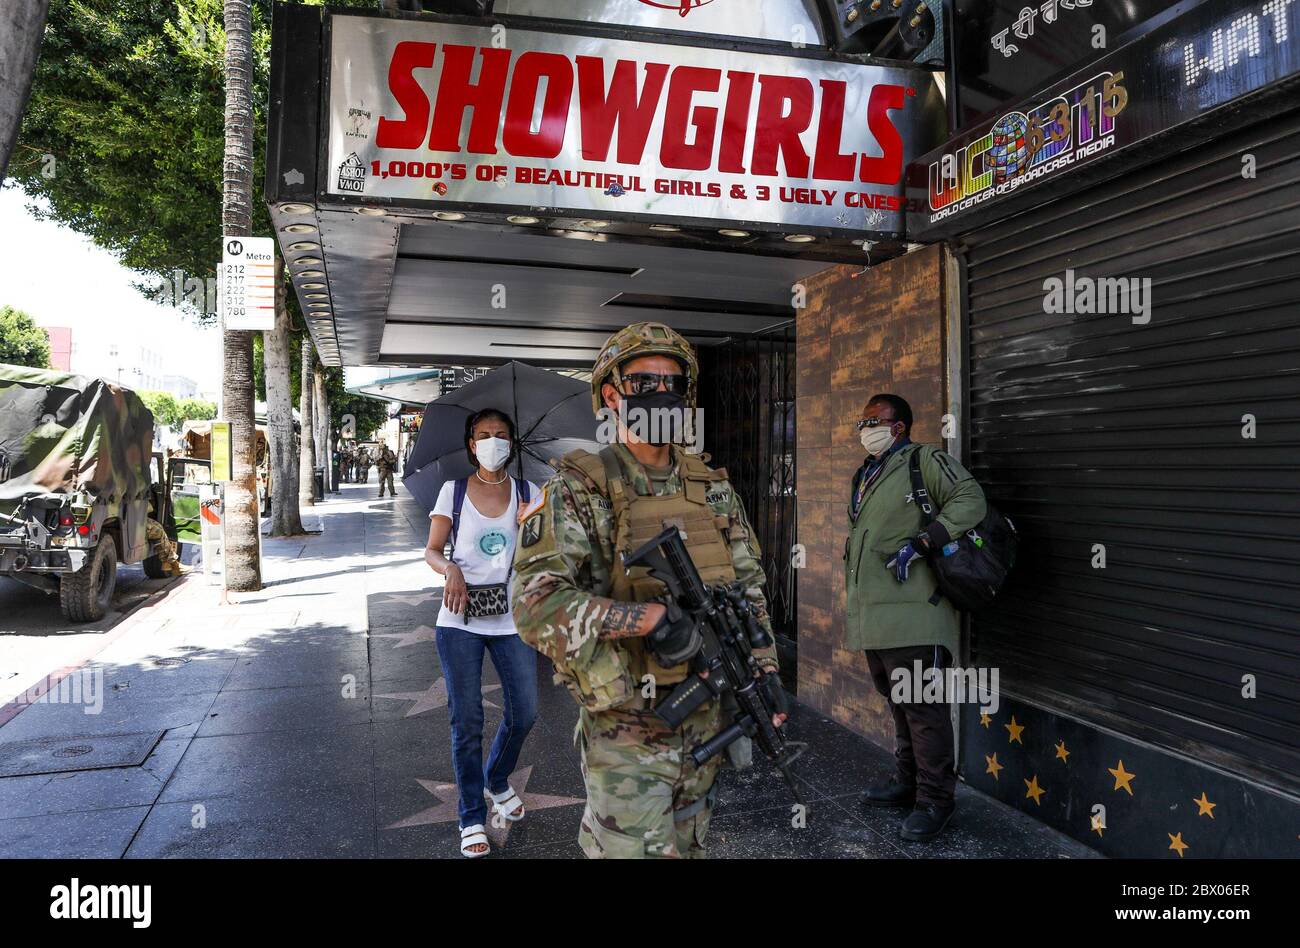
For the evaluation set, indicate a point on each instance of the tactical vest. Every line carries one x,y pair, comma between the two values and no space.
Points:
639,518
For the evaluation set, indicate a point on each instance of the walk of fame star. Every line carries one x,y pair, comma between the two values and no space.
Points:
446,811
435,697
423,633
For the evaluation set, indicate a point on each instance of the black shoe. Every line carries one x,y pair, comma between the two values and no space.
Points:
894,793
926,822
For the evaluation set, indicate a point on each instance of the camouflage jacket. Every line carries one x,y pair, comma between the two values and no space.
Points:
566,550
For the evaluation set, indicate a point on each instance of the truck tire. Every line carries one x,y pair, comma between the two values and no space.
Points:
87,594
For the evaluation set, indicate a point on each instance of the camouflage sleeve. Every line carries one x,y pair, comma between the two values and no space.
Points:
747,560
554,569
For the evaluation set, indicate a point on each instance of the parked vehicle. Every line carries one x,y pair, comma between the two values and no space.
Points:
78,485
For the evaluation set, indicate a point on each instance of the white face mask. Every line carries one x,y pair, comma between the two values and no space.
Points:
877,440
492,453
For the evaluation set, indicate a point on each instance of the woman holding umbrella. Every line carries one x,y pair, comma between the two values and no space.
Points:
480,514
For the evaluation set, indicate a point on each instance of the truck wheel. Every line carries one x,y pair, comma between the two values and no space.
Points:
85,596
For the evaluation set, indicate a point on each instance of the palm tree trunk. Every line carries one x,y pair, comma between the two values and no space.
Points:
286,520
307,444
22,24
240,542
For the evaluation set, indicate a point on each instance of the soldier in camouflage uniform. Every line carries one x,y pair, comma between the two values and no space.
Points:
576,604
385,463
163,547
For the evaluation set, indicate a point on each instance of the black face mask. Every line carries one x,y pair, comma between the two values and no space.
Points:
664,414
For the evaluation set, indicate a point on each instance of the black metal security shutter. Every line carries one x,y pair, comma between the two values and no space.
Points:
1092,430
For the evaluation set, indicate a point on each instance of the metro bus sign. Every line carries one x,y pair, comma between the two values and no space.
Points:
423,111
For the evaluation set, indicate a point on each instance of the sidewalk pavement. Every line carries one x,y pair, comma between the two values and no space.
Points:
310,720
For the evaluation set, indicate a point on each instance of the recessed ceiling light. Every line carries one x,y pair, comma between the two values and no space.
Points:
303,245
729,232
523,219
799,238
307,261
319,305
372,211
312,286
292,208
666,228
299,229
312,273
594,224
317,296
449,215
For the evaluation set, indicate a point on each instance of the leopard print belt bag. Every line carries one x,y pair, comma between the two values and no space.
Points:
487,600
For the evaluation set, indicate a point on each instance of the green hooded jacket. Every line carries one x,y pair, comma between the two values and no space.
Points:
880,612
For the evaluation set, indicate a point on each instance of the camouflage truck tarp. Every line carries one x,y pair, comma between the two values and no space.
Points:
62,432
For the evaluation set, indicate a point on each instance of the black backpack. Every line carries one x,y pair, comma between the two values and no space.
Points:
971,576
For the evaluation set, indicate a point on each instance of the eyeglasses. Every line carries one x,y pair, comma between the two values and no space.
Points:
873,422
644,383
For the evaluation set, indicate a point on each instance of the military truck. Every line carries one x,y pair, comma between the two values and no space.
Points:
79,484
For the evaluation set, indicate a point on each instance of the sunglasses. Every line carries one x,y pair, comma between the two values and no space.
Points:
644,383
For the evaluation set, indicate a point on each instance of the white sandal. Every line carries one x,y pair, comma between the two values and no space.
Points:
506,804
473,836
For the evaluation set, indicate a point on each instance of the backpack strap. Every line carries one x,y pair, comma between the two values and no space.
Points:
921,497
457,502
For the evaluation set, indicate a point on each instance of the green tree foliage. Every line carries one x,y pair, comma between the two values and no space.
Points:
196,409
369,413
163,406
22,342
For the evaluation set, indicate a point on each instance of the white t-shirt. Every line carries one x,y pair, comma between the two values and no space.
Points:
485,548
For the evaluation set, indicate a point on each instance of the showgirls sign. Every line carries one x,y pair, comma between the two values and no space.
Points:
457,115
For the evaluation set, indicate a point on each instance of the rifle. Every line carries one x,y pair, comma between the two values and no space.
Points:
731,631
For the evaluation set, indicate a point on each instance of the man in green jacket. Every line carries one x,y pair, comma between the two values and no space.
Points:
892,611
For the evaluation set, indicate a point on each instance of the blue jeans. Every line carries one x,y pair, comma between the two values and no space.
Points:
461,654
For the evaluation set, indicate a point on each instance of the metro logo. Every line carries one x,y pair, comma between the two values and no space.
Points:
682,7
701,111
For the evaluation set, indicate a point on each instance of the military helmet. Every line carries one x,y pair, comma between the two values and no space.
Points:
635,341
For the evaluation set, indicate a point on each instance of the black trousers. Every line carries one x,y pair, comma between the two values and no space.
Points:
923,737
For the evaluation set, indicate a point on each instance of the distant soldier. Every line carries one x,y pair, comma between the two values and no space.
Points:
386,463
163,547
345,462
363,466
606,631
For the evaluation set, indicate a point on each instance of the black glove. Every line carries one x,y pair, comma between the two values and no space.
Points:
771,684
676,638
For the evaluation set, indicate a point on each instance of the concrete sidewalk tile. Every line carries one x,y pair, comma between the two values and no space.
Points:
251,711
122,713
281,761
79,791
331,822
91,834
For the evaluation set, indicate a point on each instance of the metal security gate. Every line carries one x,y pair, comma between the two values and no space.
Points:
747,393
1152,466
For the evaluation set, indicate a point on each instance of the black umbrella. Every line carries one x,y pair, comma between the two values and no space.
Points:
552,415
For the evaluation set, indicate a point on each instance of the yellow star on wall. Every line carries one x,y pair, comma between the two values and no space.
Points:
1122,778
1035,791
994,766
1204,807
1098,824
985,719
1176,843
1061,752
1014,730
